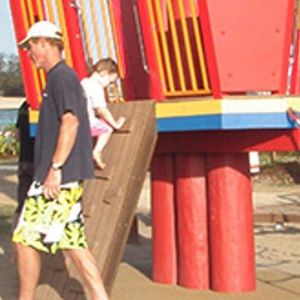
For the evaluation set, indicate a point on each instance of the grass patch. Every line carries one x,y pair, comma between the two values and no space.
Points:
6,215
269,159
8,161
279,168
6,211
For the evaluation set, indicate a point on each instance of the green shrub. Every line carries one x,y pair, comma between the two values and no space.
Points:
9,144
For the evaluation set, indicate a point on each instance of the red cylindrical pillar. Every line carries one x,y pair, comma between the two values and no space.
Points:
193,263
75,38
231,223
163,220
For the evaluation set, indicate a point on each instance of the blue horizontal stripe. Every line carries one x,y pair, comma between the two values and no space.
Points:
226,121
256,121
218,122
208,122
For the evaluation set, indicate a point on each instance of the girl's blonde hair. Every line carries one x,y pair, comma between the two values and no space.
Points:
107,65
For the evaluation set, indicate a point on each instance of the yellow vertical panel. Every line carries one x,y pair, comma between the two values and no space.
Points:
62,23
40,10
35,72
187,44
50,10
113,26
164,44
106,27
30,11
156,45
24,13
41,16
86,29
176,46
95,27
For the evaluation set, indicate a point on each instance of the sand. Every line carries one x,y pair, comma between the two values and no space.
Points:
277,253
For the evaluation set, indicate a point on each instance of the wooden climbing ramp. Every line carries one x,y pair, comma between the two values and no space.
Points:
110,200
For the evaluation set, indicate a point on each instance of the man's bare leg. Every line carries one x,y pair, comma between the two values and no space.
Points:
87,266
29,266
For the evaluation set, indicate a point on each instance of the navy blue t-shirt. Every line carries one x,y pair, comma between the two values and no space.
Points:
63,93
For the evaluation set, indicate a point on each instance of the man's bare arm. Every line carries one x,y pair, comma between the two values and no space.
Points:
65,142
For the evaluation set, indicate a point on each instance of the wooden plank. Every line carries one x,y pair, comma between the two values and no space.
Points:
121,181
127,211
110,201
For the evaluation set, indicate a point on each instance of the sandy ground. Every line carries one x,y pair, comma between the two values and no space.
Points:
10,103
277,252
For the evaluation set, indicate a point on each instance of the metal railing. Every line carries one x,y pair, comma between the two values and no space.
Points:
178,45
97,25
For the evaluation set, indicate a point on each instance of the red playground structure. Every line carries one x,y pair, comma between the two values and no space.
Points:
223,75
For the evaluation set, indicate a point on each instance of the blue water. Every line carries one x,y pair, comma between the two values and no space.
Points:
8,117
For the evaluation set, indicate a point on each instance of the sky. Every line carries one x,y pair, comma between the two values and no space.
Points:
8,40
7,34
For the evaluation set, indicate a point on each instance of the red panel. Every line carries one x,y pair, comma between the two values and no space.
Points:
230,223
141,79
209,49
229,141
192,221
252,41
163,220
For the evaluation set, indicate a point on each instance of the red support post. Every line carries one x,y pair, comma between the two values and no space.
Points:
134,39
209,49
155,84
122,42
231,223
26,65
163,220
287,45
295,80
75,37
191,200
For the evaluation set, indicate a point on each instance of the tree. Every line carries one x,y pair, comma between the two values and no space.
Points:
11,83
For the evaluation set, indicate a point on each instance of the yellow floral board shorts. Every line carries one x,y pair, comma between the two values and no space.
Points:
49,225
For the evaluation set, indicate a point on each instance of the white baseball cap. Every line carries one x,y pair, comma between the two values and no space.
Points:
41,29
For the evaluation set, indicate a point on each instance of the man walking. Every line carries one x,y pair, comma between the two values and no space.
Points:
51,219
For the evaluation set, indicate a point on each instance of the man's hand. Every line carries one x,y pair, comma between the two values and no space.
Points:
52,184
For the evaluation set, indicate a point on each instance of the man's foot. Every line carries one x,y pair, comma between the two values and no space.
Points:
99,162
